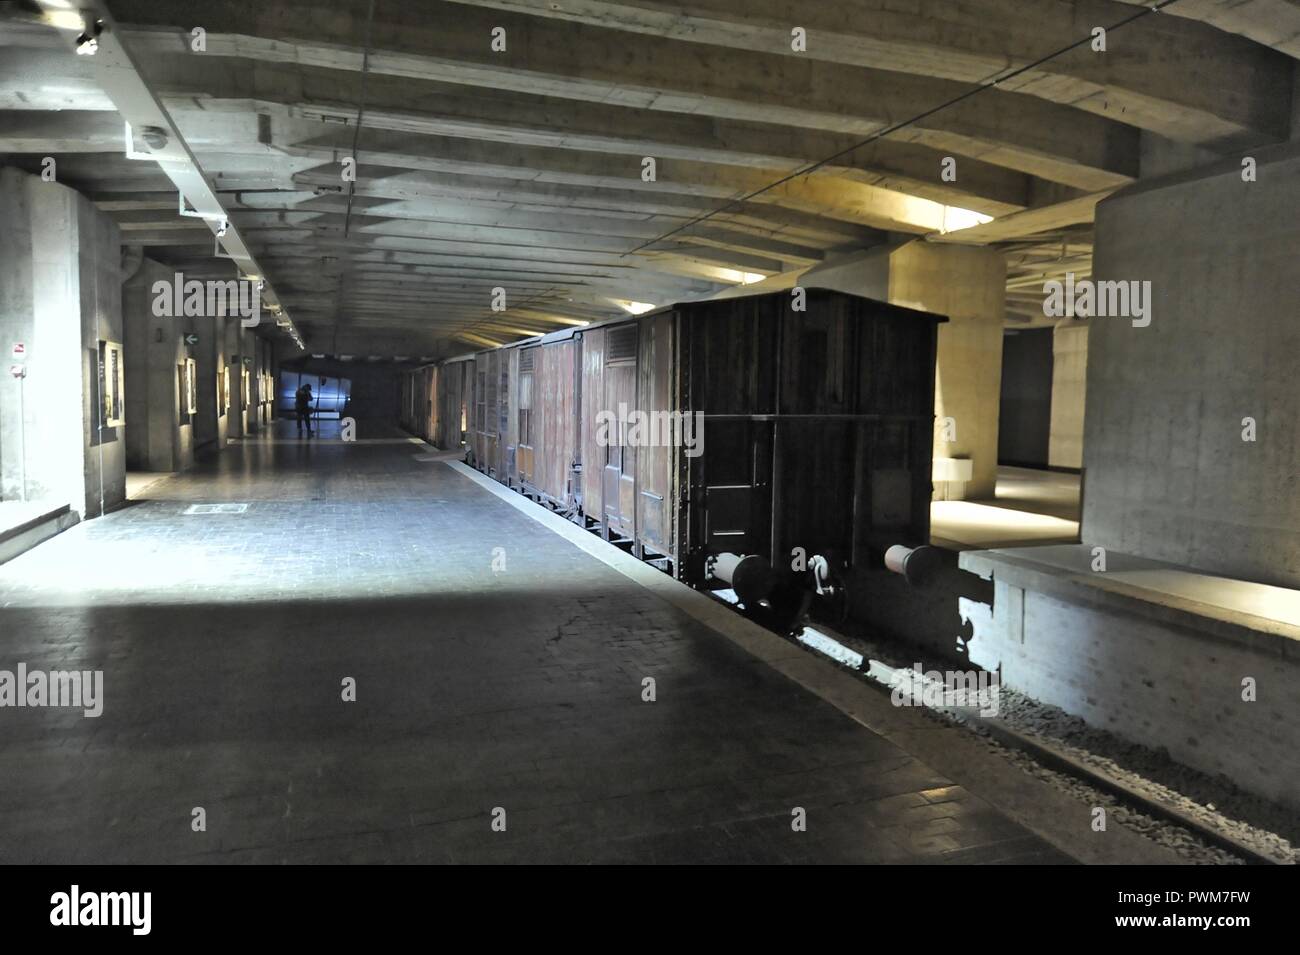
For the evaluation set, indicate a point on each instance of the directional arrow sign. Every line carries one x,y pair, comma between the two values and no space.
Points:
191,339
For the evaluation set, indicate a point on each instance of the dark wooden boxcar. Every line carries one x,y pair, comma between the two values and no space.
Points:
812,429
451,401
419,405
818,428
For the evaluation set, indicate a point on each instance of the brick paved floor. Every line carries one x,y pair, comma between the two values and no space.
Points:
224,640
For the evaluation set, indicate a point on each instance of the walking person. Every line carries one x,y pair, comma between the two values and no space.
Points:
302,399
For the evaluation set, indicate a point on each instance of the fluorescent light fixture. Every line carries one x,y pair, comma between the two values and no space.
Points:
562,320
636,308
955,219
740,278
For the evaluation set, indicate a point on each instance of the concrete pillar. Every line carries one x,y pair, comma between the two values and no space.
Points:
223,376
159,433
1192,433
211,422
1069,387
273,382
236,415
967,284
60,298
251,350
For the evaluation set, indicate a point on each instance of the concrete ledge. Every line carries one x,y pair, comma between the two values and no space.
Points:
1204,667
1261,617
32,526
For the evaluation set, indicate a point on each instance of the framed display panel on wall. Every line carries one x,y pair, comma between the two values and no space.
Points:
224,397
112,381
248,387
191,393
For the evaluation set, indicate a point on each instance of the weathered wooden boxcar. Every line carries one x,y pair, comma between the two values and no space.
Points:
419,388
736,426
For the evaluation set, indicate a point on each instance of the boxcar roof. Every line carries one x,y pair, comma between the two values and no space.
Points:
698,304
693,305
900,309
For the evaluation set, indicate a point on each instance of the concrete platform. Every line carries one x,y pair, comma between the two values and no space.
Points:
496,665
1205,667
24,524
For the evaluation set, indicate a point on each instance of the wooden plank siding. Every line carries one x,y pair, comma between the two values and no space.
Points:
816,426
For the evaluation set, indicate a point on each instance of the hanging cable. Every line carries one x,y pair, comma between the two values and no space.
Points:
980,87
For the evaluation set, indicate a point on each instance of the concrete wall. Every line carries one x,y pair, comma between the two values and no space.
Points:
233,353
1169,475
1069,390
226,392
250,347
376,386
159,435
211,424
99,256
61,261
246,352
968,285
1025,402
266,365
1163,686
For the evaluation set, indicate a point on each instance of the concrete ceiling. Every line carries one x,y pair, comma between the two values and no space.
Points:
522,168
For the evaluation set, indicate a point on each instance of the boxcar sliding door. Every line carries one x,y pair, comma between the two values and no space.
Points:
661,433
528,369
618,481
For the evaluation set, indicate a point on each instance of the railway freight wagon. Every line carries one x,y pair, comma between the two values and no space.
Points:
435,401
419,408
736,443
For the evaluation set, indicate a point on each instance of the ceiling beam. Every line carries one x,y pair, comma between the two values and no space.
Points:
451,43
1183,80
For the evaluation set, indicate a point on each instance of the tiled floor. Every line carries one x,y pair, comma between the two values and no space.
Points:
224,641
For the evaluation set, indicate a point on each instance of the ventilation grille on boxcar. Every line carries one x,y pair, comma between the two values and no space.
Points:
526,359
620,345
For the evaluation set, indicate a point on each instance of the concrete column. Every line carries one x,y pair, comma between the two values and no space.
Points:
1069,387
225,385
210,424
967,284
159,434
1192,433
234,356
251,349
61,261
273,378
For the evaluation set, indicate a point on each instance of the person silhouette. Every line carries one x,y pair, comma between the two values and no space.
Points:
302,404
